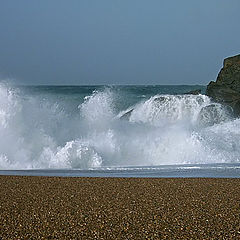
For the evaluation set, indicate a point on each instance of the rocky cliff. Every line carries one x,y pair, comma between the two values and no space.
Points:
226,89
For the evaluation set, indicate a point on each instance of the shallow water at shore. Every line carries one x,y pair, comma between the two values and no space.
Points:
164,171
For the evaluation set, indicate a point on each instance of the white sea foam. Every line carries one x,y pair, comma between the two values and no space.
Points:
168,109
164,129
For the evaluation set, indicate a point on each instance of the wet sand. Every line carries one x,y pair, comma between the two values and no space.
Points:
119,208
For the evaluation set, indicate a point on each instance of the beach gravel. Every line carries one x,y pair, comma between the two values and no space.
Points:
119,208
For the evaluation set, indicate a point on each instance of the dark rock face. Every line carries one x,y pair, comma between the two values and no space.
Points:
126,115
194,92
226,89
214,113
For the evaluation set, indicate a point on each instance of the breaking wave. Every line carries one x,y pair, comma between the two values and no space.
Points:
41,132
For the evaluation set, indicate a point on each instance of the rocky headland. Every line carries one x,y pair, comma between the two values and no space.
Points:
226,89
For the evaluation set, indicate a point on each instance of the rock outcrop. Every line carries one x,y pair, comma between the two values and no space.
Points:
213,114
226,89
194,92
127,114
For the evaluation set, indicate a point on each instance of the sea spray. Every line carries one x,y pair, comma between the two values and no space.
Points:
84,127
169,109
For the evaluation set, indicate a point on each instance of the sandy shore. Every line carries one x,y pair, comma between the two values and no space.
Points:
114,208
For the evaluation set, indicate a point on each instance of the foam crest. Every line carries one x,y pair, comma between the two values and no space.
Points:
39,132
169,109
8,105
98,108
75,154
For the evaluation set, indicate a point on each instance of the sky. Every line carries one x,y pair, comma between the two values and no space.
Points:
89,42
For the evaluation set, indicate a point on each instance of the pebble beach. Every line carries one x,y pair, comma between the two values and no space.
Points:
119,208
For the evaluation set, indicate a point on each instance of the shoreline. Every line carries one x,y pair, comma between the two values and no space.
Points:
214,170
119,208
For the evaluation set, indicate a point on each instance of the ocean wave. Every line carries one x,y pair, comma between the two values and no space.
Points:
40,131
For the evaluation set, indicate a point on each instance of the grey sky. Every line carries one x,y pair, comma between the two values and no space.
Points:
116,41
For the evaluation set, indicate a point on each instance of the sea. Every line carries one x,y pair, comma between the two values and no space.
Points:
116,131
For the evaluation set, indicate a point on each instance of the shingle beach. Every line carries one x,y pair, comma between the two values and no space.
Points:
119,208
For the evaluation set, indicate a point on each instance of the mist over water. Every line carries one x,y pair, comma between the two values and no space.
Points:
88,127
